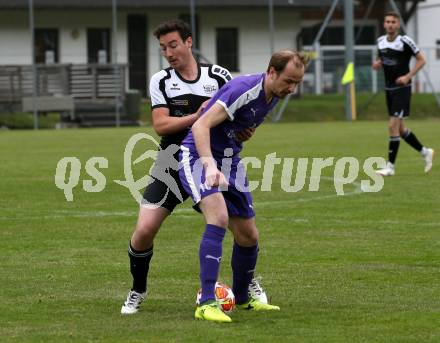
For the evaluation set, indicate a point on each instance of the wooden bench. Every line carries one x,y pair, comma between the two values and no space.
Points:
63,103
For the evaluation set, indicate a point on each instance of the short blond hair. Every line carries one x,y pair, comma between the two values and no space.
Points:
279,59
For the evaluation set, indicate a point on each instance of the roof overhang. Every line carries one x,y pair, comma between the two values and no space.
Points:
57,4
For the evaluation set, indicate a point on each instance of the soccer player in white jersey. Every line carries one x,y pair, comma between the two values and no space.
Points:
394,55
177,94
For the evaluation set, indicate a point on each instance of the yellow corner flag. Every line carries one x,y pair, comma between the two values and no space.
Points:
349,74
313,55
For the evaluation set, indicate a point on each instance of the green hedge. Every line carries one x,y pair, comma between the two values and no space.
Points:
328,107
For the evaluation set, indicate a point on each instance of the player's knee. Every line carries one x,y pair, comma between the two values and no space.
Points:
404,132
221,219
248,237
146,231
391,126
253,237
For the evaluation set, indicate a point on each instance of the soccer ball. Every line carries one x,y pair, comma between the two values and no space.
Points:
224,296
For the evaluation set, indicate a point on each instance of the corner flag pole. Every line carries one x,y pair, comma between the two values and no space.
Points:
348,79
353,100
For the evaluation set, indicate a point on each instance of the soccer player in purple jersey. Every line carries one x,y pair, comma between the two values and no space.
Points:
211,173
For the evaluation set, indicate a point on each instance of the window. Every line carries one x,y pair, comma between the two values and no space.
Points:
46,46
98,46
227,48
438,49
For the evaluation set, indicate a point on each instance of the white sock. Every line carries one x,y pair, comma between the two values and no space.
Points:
424,151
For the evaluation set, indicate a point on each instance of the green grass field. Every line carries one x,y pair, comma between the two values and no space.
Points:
357,268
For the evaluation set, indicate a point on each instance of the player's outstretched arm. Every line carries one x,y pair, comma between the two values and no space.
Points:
215,115
164,124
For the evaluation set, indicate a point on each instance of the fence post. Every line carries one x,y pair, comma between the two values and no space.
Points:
373,74
318,69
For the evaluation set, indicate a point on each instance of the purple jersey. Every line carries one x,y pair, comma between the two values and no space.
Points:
244,100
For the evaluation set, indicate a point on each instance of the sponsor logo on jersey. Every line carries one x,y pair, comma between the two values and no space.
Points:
179,102
210,89
388,61
178,113
175,87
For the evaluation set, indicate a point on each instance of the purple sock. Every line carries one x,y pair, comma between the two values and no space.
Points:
210,255
243,264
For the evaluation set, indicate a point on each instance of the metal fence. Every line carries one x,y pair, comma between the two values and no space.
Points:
327,68
89,82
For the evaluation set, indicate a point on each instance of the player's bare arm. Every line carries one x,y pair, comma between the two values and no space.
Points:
377,64
245,134
201,131
164,124
420,62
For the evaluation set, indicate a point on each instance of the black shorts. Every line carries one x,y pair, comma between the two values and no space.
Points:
159,194
398,102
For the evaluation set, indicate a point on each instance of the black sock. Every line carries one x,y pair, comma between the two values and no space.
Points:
393,148
139,265
412,140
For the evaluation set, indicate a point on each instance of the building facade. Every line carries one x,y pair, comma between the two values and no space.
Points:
235,34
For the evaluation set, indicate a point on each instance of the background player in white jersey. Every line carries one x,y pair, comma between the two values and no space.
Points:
394,55
218,185
177,94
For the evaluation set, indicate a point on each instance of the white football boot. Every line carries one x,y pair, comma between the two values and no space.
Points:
387,171
428,156
256,291
131,305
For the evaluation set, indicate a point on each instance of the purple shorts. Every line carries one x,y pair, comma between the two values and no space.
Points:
237,196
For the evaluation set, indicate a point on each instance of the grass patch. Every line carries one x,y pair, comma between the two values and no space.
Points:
356,268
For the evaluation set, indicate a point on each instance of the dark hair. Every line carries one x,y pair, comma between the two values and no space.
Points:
392,14
173,26
280,59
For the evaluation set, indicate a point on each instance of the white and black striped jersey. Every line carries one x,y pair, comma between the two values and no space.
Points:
182,97
395,57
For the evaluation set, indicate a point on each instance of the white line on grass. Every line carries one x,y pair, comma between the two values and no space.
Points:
357,191
98,214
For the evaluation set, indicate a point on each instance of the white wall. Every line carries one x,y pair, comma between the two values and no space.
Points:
253,36
14,34
425,30
15,40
